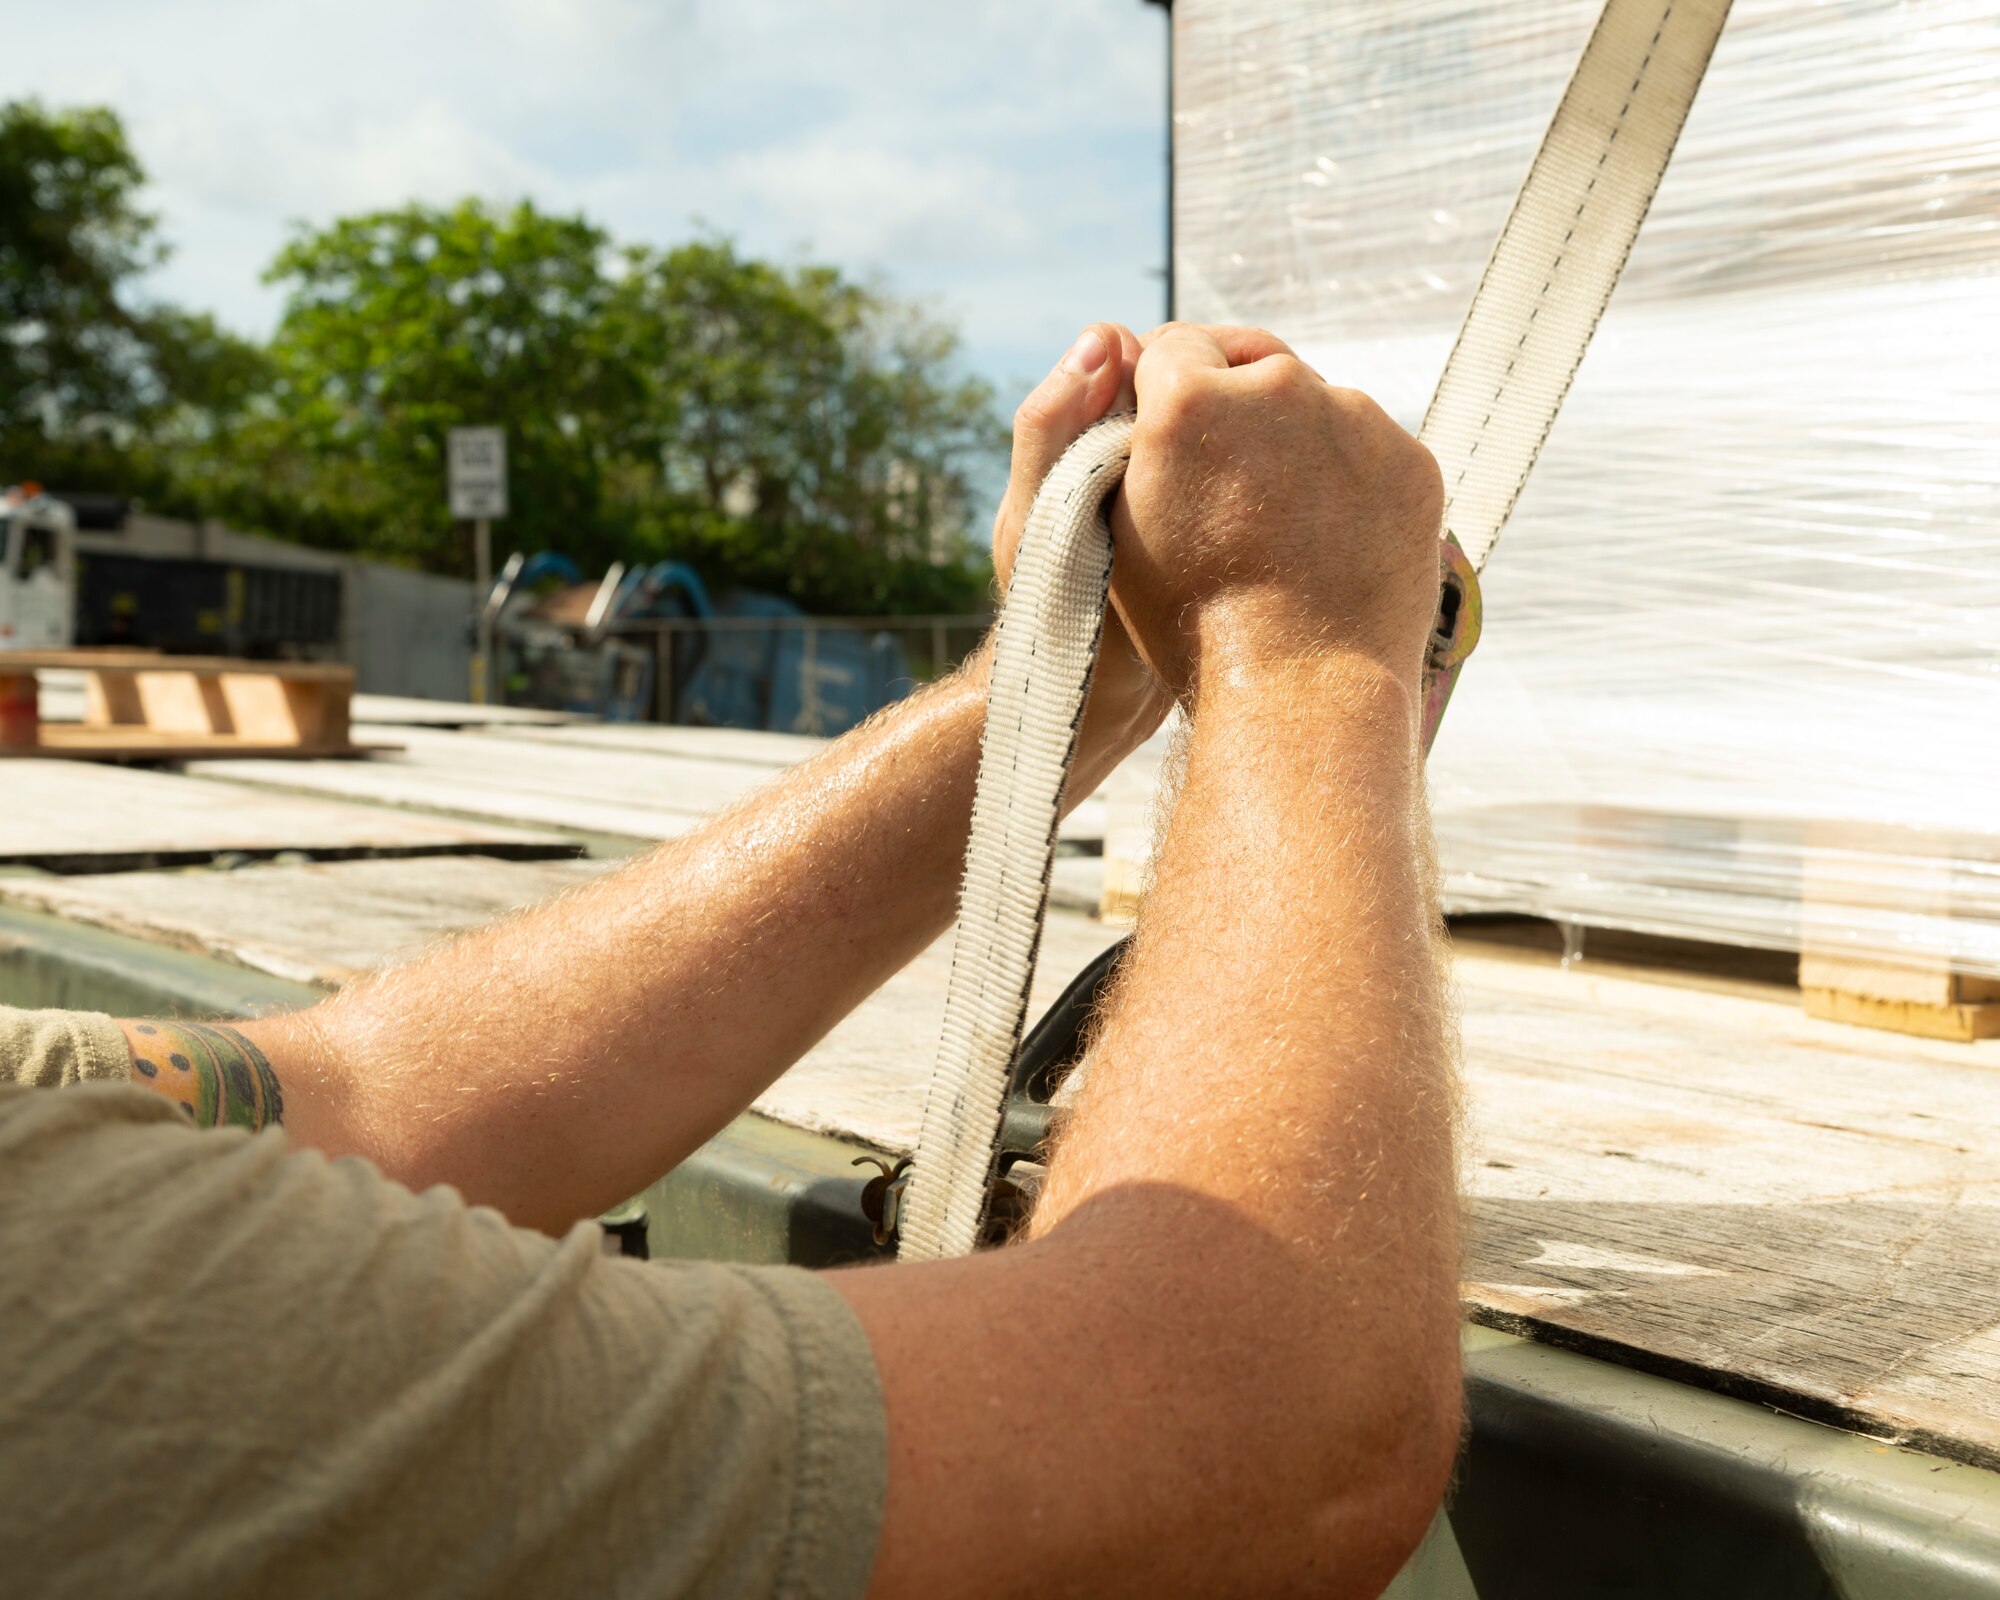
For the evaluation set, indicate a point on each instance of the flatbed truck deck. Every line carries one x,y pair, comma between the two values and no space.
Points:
1732,1313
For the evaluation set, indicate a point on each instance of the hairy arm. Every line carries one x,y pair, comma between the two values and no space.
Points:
1224,1362
556,1062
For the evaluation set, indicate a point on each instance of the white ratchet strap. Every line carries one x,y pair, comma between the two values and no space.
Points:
1546,285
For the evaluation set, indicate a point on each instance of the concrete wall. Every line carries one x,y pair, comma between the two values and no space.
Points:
408,632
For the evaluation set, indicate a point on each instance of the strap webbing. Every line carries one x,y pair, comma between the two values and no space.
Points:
1560,255
1045,646
1545,287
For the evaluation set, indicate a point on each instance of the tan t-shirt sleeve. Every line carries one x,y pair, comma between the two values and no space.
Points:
49,1049
230,1368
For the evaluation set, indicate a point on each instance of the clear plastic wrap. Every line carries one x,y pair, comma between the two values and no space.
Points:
1741,671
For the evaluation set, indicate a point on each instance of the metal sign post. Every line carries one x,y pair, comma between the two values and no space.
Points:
478,473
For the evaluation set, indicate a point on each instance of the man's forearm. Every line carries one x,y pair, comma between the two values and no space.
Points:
1281,1076
561,1059
1242,1269
1300,1034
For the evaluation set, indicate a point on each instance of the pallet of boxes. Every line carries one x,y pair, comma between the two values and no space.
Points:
1740,672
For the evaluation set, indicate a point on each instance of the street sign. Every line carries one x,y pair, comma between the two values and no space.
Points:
478,458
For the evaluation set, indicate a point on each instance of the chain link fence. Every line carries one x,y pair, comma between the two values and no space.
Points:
781,673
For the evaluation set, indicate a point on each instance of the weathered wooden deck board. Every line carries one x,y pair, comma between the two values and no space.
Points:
72,817
1705,1182
480,774
324,924
748,745
320,924
643,790
63,696
404,711
1084,825
1793,1209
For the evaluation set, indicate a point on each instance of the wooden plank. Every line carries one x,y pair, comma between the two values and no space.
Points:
68,817
1084,825
479,774
1915,991
63,700
1694,1179
69,741
149,707
749,745
1718,1187
629,792
407,711
322,924
1926,1019
120,663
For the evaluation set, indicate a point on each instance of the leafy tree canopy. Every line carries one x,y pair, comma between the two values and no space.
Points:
781,426
73,358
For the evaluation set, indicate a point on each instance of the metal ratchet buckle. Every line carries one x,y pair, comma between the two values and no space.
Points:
882,1195
1453,635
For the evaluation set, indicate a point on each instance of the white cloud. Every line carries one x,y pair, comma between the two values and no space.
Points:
998,157
424,152
858,199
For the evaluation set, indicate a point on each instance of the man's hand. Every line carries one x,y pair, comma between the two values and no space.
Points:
1268,516
1094,379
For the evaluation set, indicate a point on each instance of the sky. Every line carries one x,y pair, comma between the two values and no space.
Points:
1001,160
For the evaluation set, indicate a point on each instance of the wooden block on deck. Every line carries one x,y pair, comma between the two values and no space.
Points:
1854,876
147,706
1932,1002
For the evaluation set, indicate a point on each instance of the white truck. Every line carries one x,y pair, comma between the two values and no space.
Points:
37,571
94,573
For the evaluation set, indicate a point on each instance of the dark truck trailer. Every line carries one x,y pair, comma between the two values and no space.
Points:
195,606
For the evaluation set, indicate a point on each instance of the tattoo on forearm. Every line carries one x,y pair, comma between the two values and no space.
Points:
219,1077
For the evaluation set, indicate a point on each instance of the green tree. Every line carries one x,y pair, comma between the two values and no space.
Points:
786,429
98,386
401,325
783,427
74,355
802,432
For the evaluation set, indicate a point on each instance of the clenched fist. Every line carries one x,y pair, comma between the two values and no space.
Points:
1268,516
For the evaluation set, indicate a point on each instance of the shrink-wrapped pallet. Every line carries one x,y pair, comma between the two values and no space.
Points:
1741,672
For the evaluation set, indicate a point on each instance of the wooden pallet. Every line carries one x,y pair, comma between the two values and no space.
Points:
1849,870
1932,1001
140,706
